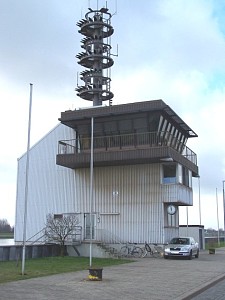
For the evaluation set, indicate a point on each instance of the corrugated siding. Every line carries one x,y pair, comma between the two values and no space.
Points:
177,193
51,187
127,200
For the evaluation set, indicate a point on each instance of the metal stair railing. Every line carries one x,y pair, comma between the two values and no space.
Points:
75,237
107,237
106,240
38,237
41,238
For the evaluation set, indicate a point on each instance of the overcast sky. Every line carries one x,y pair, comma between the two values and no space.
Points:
168,49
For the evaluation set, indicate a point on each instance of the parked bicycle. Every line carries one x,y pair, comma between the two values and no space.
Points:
131,249
154,251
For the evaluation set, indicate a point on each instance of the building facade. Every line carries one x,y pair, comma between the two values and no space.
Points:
124,170
142,173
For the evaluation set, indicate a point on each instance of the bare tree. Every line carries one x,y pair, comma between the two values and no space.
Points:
60,227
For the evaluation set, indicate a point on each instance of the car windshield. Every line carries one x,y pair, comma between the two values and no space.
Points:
181,241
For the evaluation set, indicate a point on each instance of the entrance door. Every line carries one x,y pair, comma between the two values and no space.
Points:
88,224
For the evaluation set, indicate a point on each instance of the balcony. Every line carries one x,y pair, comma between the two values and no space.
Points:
135,148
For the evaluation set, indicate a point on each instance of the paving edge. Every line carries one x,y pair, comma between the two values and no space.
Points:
202,289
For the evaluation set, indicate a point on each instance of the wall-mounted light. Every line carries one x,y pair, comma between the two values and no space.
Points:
166,159
115,193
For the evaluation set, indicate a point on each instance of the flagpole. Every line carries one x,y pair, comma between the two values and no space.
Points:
26,183
218,225
91,191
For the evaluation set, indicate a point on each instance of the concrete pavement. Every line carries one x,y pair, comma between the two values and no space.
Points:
146,278
216,292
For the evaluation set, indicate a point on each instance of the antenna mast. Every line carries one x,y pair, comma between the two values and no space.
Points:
96,27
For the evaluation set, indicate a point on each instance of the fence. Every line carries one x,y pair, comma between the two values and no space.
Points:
14,252
124,141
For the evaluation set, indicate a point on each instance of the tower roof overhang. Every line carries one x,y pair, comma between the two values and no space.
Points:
73,118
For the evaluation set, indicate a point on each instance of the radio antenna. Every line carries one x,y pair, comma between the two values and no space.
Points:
96,56
115,13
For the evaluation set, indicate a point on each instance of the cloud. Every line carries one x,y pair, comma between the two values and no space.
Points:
176,35
201,107
168,49
207,209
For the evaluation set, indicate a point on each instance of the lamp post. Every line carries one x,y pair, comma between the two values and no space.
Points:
26,184
187,219
223,210
91,188
199,201
218,226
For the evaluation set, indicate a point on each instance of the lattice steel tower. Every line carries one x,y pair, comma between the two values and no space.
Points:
96,27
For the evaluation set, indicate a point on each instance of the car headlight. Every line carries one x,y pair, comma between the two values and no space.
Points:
167,249
185,248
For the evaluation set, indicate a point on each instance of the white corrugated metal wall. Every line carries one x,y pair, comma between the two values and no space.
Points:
50,187
127,200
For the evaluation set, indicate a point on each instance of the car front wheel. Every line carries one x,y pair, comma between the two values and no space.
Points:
190,255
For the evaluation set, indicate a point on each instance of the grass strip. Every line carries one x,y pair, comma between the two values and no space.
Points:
37,267
6,235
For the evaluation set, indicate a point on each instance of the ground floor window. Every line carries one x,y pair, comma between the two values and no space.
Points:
89,226
58,216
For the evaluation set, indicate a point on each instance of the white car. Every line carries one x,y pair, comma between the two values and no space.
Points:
182,247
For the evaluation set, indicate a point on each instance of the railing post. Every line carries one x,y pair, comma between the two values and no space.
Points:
153,139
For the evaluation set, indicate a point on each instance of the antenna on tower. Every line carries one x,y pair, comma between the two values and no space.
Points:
77,79
115,13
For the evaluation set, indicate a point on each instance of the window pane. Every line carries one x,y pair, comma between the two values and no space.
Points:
169,173
185,176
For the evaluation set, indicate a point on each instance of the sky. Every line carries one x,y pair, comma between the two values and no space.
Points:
172,50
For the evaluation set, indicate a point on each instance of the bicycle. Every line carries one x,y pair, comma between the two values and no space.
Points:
156,251
130,249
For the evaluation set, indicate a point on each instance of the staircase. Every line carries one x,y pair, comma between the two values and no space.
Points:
109,242
109,249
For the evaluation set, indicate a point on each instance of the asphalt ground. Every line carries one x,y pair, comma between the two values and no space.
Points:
145,278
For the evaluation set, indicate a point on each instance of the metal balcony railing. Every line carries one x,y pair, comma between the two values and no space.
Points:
126,142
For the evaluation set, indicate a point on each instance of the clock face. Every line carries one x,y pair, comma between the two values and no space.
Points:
171,209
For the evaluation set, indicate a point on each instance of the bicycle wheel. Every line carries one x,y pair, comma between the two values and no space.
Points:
137,252
124,251
156,254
